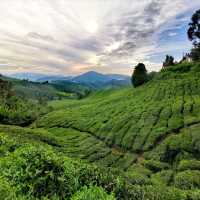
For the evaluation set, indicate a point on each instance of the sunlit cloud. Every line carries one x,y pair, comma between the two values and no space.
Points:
72,37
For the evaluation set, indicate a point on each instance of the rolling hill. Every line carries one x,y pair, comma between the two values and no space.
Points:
47,91
92,80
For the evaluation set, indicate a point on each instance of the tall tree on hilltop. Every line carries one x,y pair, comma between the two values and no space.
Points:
194,28
194,35
169,61
139,75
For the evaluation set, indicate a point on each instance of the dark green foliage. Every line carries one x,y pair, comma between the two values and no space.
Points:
7,145
136,177
194,35
169,61
155,166
17,110
7,192
164,177
195,52
189,165
5,91
39,172
139,75
187,180
194,28
155,193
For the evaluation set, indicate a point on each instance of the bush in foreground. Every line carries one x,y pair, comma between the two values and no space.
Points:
92,193
38,172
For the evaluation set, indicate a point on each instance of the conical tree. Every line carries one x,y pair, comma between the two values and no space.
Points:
139,75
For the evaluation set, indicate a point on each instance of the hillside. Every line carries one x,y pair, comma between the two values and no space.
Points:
46,91
159,121
134,119
148,136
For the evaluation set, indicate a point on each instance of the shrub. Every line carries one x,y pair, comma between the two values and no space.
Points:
187,179
164,177
6,191
39,172
92,193
155,193
189,165
137,178
7,145
193,194
155,166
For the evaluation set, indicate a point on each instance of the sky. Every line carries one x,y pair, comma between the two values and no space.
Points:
70,37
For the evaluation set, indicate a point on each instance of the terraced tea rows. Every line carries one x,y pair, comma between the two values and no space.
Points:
75,144
84,146
132,120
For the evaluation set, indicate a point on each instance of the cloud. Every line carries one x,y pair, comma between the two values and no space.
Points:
171,34
71,37
38,36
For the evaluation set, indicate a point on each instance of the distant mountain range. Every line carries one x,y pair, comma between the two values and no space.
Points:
91,79
36,77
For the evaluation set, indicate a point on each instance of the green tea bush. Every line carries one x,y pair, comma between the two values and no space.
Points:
154,193
155,166
7,192
164,177
107,178
136,178
193,194
7,145
189,165
38,172
92,193
189,179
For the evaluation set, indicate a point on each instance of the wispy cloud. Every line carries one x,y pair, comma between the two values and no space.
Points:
70,37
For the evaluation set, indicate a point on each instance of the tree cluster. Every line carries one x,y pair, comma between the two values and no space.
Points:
169,61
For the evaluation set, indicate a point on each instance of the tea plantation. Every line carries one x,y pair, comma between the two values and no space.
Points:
132,143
